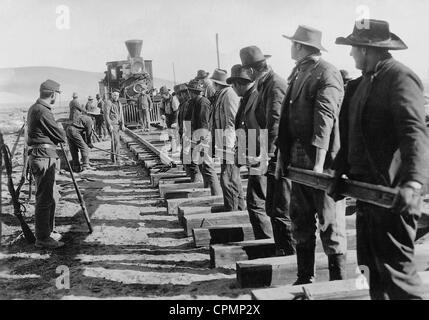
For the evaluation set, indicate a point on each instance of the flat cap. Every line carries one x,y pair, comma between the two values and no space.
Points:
50,86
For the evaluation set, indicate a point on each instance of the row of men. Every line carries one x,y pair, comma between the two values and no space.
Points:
384,141
381,112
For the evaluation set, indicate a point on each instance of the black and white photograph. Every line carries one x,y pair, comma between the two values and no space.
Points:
214,155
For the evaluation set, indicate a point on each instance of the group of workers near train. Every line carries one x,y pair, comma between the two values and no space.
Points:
371,129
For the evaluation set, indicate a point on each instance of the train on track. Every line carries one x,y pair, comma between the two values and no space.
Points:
131,77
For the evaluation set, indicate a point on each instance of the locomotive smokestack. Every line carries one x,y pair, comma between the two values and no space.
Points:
134,47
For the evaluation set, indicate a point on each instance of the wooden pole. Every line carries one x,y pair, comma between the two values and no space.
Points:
174,74
217,50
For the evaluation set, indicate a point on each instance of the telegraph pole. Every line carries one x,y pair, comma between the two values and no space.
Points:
174,74
217,50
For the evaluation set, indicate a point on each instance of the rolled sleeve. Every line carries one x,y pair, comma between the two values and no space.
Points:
327,107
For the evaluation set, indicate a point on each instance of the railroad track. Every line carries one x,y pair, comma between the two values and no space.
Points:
229,235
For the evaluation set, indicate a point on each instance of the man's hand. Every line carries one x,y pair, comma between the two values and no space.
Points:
90,145
334,190
122,127
408,199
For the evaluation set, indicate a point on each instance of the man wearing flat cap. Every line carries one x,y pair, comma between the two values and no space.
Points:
44,135
384,141
225,108
273,219
309,139
200,135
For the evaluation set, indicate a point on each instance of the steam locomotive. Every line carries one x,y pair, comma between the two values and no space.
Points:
131,77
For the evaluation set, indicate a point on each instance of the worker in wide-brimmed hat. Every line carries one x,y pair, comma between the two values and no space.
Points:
309,139
208,88
43,136
269,197
225,107
384,141
200,135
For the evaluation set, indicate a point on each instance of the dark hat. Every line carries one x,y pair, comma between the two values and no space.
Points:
251,55
201,74
195,85
180,87
90,98
50,86
97,96
163,90
75,95
373,33
219,76
238,72
308,36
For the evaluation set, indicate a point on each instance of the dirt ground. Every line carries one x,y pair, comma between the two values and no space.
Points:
137,250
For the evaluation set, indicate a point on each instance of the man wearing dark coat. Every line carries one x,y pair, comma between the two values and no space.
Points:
309,139
271,220
79,135
75,107
384,141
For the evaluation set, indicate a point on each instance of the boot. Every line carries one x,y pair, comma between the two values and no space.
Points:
306,264
337,266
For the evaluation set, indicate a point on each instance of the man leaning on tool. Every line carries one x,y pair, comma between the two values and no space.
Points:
79,135
113,114
309,139
223,131
384,141
43,136
273,220
201,136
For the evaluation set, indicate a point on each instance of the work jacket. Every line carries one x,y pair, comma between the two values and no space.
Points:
392,123
310,110
224,112
43,129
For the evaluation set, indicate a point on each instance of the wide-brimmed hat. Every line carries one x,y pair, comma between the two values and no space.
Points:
238,72
195,85
75,95
180,87
219,76
372,33
308,36
252,55
201,74
90,98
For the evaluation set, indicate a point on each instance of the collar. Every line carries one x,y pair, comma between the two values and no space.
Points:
379,67
264,78
43,103
312,58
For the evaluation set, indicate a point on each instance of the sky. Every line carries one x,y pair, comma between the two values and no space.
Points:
183,32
